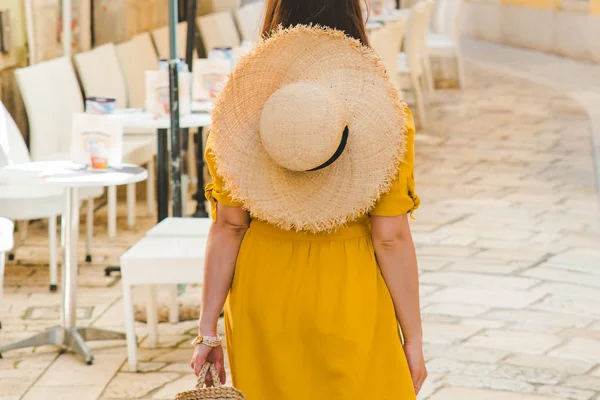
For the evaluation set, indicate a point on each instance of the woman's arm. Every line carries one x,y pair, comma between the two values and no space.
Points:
222,247
395,252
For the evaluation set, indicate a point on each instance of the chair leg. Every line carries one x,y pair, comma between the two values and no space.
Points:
152,316
130,327
112,212
173,305
131,200
150,188
90,230
17,244
460,69
53,264
428,75
62,231
185,186
2,261
419,100
23,228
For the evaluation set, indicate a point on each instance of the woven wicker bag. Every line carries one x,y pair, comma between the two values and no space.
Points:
217,392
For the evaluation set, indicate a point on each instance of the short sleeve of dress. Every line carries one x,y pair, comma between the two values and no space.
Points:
401,198
214,191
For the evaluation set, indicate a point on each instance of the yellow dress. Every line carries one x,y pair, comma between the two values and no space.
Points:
309,317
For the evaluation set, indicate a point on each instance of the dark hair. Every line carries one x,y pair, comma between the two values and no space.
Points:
345,15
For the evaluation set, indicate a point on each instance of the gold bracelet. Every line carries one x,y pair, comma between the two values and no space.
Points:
210,341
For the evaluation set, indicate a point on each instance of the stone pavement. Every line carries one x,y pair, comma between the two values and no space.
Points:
508,241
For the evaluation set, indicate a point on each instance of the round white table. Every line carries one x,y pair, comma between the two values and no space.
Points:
71,177
135,118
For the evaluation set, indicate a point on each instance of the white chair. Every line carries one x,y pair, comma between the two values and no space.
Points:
410,63
218,30
101,75
445,41
50,99
387,42
161,40
51,124
6,244
150,262
136,57
23,203
212,6
425,58
249,20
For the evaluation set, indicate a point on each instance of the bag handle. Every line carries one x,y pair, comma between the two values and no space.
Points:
206,368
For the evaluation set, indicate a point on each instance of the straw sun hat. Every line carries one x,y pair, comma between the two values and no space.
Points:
309,130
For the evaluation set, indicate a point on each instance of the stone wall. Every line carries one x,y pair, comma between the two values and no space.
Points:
569,28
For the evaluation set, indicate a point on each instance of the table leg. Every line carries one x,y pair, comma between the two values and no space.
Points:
162,180
69,269
67,335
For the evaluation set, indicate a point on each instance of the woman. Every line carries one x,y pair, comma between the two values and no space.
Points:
311,155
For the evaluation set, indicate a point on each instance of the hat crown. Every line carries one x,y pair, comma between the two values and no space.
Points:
302,125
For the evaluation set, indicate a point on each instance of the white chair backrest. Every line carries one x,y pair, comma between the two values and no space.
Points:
417,28
161,40
213,6
13,149
218,30
250,19
51,95
387,42
101,75
6,235
429,5
448,17
136,57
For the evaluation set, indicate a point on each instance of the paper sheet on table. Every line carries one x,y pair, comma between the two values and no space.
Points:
157,93
210,77
97,137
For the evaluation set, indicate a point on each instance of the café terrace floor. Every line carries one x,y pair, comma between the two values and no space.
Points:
508,240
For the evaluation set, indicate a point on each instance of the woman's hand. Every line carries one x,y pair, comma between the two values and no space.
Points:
416,364
213,355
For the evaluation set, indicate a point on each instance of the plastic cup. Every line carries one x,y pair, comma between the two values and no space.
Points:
100,105
98,154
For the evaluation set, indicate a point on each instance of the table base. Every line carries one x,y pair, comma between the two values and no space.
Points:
68,338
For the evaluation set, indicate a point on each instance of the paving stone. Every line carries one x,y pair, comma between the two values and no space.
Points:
584,382
528,374
73,391
520,342
445,365
69,368
178,355
457,279
170,390
490,298
143,367
128,385
438,333
178,367
561,275
455,310
483,323
464,353
487,382
579,349
562,392
554,363
570,305
539,318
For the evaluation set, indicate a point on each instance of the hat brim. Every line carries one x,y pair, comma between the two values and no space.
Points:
320,200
